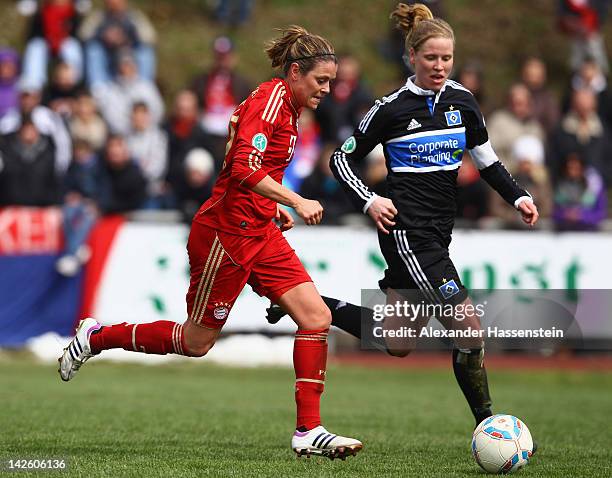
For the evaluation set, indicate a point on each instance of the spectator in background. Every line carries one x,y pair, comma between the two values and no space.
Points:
307,151
544,103
28,8
94,186
341,111
115,98
80,209
86,125
123,187
505,126
52,35
581,20
233,12
581,131
106,33
28,175
60,95
184,134
472,193
9,75
590,77
220,90
321,185
46,120
194,186
528,156
148,146
580,197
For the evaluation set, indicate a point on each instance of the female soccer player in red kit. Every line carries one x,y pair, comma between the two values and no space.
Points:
233,241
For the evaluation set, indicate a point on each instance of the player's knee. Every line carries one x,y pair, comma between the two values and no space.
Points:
399,352
312,316
199,349
198,346
198,340
321,319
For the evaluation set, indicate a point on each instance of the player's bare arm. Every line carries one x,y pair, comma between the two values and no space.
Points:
309,210
284,218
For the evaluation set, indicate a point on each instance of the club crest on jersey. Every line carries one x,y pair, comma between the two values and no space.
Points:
449,289
260,142
221,310
349,145
453,117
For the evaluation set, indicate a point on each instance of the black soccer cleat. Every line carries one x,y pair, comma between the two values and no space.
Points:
274,313
534,448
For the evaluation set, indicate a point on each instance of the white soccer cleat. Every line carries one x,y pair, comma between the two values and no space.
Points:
78,351
319,441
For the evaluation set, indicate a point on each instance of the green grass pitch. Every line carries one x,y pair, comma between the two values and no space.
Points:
195,419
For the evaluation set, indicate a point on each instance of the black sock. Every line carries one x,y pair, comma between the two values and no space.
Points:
471,376
355,320
346,316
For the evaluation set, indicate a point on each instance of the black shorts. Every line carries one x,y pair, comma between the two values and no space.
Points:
423,266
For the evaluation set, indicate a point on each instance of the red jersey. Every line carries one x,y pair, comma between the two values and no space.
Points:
262,137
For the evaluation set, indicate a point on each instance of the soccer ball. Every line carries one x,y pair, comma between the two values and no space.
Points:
502,444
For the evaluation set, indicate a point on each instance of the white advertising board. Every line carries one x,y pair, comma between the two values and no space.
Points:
146,276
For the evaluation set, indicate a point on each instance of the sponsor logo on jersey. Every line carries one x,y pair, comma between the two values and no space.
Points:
260,142
453,117
349,145
449,289
414,124
221,311
427,150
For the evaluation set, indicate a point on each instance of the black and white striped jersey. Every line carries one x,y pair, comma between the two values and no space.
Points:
424,135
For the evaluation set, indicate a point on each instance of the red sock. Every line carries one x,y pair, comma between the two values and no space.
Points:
161,337
309,361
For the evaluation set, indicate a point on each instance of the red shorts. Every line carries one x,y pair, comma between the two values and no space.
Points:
221,264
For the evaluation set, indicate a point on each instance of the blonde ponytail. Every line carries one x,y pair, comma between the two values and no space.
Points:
419,25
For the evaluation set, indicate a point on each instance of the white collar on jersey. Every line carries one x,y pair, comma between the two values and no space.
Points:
420,91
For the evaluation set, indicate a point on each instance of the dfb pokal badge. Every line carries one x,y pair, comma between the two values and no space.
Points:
260,142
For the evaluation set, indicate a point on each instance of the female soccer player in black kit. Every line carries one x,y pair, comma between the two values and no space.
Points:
424,127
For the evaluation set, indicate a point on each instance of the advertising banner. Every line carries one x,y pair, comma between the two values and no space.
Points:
34,298
146,274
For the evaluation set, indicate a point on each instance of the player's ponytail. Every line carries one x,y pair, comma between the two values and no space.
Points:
296,45
419,25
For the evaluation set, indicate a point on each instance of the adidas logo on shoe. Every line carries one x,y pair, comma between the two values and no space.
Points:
414,124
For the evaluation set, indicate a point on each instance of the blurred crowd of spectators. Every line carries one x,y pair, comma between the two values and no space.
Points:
83,124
